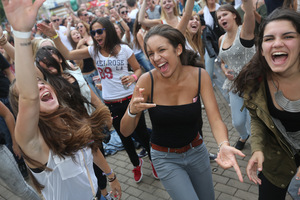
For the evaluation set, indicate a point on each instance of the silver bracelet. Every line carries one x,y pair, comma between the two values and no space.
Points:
219,146
130,114
22,35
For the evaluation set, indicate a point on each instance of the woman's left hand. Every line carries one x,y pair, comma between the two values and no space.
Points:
226,159
116,189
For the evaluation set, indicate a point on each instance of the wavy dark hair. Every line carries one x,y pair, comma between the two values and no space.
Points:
175,37
111,39
258,69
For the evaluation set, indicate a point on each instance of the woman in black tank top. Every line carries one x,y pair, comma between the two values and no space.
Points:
171,92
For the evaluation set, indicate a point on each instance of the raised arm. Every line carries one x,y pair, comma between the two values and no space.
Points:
186,16
10,50
77,54
22,14
247,31
143,20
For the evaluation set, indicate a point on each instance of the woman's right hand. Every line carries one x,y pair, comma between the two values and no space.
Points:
137,102
255,165
116,189
21,14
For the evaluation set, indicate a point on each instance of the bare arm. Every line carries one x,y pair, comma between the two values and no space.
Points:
22,15
147,22
247,31
186,16
100,161
10,50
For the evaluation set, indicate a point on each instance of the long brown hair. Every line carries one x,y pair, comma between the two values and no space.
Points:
258,69
76,130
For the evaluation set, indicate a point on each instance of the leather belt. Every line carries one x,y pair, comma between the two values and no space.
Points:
119,100
196,142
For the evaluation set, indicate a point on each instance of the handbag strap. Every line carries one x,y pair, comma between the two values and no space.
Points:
89,176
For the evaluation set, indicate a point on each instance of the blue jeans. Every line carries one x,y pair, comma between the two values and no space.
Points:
143,61
10,174
89,79
240,119
209,65
185,175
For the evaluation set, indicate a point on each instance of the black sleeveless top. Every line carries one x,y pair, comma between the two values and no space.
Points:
88,65
176,126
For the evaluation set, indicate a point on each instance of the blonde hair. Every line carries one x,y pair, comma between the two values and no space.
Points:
36,44
163,14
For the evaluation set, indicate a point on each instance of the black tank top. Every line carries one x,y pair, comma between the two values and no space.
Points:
176,126
88,65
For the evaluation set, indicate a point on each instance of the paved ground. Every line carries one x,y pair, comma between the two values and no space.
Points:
226,184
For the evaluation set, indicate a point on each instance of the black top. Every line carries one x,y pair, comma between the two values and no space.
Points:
176,126
289,120
88,65
4,81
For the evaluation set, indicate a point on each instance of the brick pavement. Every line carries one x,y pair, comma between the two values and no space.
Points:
226,184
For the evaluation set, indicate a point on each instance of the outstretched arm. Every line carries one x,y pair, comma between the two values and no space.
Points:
22,15
143,20
186,16
247,31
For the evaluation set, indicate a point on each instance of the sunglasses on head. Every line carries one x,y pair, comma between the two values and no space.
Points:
55,20
98,31
78,27
124,12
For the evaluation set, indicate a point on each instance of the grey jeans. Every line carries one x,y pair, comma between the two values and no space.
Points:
10,174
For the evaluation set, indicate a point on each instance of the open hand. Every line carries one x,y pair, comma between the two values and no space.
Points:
255,165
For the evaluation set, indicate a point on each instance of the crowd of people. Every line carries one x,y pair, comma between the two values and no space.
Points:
67,81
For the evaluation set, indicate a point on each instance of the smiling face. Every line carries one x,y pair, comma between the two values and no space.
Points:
163,56
194,24
99,38
48,99
281,47
75,35
168,6
118,30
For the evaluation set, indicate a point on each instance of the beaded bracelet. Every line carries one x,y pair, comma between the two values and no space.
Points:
112,179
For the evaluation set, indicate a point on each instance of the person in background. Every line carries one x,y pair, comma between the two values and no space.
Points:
270,86
61,30
153,10
9,171
83,15
273,4
133,8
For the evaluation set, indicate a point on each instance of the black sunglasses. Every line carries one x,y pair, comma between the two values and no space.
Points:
98,31
78,27
124,12
85,14
55,20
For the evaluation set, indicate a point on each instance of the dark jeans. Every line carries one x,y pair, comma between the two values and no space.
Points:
117,111
269,191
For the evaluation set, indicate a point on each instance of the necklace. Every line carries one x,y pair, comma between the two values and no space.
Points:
109,57
283,102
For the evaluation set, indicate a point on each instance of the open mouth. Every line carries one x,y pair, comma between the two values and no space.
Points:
194,26
46,97
224,23
163,67
279,57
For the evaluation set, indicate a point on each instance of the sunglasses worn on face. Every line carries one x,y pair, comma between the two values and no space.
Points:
55,20
78,27
124,12
98,31
85,14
